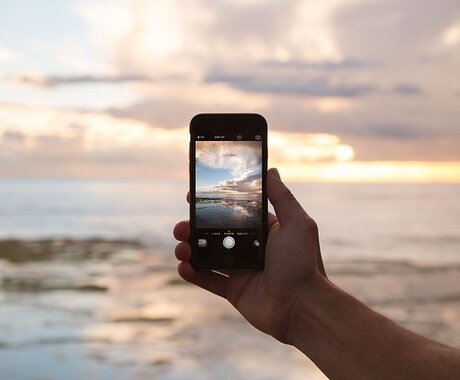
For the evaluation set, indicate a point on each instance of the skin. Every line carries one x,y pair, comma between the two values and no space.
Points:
295,302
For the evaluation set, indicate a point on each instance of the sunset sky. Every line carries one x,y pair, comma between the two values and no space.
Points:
353,90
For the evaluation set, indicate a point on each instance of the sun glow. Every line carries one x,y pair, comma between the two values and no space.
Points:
320,157
375,171
161,37
451,36
344,153
150,150
308,147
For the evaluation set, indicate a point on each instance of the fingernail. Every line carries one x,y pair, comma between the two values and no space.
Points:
276,173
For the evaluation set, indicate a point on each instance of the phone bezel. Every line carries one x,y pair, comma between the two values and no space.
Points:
225,123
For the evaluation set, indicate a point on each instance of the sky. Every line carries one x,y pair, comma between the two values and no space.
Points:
353,90
229,167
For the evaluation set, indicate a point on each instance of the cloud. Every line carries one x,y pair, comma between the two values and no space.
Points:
393,30
167,36
98,144
55,81
240,158
407,89
350,50
451,36
13,136
428,149
6,55
344,64
86,144
376,75
251,184
319,86
165,111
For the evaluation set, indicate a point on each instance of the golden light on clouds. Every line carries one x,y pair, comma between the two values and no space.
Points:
332,104
344,153
323,158
307,147
451,36
374,171
98,144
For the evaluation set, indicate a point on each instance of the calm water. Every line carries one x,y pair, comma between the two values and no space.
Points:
396,221
228,213
145,323
131,209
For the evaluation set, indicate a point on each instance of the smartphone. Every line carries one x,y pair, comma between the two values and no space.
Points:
228,196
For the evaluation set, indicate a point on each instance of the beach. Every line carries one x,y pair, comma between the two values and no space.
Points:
228,213
113,307
114,310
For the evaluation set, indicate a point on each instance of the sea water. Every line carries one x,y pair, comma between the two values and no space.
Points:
417,222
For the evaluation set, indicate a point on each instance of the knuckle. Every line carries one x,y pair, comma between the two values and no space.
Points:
287,194
308,225
284,195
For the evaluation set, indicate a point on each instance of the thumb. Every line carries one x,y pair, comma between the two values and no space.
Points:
286,206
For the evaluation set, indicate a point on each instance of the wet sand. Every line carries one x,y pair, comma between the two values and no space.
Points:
116,309
228,213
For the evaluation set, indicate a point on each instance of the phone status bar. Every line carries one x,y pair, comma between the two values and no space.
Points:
231,137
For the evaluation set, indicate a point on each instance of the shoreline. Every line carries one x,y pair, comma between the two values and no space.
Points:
119,308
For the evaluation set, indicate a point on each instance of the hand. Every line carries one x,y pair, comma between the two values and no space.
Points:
293,265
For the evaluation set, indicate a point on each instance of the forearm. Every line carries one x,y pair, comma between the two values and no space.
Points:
348,340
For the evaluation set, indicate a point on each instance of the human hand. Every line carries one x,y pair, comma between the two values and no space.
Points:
293,265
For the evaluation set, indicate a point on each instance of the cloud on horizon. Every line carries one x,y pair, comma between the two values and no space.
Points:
251,184
55,81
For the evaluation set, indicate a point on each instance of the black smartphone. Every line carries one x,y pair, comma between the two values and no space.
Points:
228,196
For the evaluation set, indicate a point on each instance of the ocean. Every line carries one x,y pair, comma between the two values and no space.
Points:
418,222
85,208
89,288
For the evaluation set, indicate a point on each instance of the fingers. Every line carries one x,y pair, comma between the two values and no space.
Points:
211,281
181,230
283,201
183,251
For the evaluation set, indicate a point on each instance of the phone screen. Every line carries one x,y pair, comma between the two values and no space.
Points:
228,197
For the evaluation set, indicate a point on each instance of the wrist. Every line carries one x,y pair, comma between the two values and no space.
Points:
304,311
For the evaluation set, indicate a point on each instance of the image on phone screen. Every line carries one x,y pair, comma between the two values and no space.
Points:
228,184
228,201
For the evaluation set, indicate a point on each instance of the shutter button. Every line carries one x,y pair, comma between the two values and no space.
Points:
228,242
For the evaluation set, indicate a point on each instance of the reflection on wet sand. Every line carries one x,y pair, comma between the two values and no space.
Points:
228,213
117,310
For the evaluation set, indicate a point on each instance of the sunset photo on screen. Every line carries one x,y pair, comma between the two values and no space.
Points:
228,184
